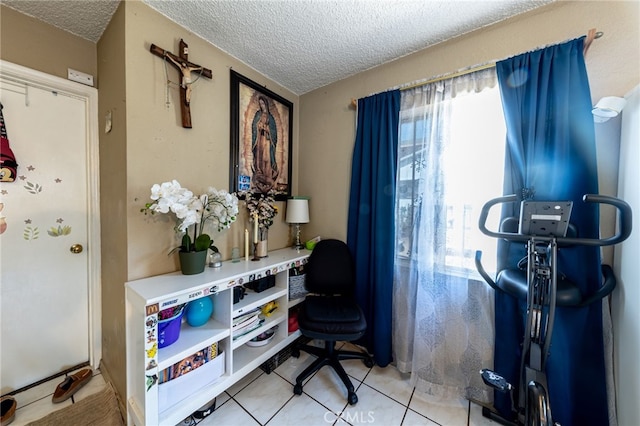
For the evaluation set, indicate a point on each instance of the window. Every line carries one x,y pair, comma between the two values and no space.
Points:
471,148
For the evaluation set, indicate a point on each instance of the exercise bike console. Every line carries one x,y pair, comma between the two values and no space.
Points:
545,218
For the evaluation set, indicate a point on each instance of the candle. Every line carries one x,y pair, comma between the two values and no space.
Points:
246,244
255,227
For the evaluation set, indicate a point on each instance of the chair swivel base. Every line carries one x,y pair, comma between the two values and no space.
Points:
330,356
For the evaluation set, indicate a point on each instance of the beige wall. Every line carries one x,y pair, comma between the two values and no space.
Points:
113,196
34,44
160,149
147,145
328,124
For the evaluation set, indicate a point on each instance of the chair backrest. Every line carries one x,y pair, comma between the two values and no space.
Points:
330,269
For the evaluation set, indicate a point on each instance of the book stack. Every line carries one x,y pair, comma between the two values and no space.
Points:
246,323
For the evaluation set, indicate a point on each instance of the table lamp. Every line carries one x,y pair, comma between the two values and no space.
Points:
297,213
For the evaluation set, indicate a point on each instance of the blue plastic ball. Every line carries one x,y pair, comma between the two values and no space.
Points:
199,311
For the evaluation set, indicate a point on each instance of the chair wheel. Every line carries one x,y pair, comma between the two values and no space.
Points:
353,398
368,362
297,389
295,352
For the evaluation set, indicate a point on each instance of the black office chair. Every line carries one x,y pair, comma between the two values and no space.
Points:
330,312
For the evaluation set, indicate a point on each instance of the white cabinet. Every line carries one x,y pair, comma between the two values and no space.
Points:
152,403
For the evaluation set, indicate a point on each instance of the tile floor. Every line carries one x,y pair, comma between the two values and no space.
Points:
385,397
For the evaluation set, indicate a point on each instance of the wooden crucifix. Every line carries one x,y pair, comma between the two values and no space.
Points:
182,64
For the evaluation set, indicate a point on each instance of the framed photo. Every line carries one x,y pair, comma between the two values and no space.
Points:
261,139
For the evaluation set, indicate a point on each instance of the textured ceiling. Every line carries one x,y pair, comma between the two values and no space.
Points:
301,44
85,18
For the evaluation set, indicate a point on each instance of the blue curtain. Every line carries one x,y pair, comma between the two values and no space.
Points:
551,155
371,224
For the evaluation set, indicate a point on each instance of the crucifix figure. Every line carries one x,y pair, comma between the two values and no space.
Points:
182,64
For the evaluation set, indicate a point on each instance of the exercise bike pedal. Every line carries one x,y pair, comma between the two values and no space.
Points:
494,380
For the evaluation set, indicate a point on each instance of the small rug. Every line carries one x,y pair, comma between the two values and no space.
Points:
99,409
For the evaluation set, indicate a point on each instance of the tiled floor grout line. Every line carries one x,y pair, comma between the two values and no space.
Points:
340,419
248,412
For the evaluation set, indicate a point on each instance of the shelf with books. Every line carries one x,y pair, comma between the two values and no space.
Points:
189,363
253,300
191,339
153,403
247,358
266,324
172,394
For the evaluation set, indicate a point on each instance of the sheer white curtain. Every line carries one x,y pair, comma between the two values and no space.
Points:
451,161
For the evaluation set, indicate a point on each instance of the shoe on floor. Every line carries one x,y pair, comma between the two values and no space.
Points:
71,385
8,407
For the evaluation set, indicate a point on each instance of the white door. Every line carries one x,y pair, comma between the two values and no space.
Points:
46,257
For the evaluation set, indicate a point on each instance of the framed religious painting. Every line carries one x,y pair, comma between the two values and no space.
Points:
261,139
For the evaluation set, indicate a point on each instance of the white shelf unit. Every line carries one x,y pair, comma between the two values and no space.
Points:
151,403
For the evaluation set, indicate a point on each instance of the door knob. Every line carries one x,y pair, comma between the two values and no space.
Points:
76,248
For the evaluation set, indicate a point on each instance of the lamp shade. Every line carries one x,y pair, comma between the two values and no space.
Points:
607,108
297,210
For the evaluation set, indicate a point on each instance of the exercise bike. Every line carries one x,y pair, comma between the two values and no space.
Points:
543,226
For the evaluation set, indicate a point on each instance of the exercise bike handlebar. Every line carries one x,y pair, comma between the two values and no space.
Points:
624,218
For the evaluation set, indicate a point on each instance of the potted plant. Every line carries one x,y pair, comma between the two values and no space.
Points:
218,207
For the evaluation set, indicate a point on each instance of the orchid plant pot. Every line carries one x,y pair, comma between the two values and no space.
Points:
192,262
219,208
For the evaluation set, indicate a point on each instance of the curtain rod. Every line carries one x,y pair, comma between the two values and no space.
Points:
452,75
591,35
